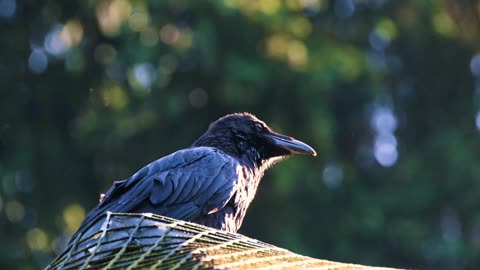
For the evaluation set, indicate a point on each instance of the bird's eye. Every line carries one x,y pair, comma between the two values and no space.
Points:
259,127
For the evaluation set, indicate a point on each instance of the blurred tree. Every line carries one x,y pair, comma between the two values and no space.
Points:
387,92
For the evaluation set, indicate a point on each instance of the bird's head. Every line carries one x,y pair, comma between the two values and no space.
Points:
244,136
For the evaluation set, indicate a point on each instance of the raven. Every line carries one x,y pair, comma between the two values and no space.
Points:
212,182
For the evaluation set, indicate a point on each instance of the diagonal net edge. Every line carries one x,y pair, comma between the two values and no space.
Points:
148,241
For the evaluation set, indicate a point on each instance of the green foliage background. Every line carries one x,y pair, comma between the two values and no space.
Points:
90,91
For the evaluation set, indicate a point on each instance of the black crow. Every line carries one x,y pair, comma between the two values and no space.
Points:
212,182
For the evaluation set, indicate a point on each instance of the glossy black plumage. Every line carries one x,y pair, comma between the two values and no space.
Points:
211,183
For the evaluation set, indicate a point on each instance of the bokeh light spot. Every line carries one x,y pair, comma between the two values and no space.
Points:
111,14
377,40
186,39
269,6
198,98
297,54
383,121
37,239
15,211
169,34
72,33
444,24
73,216
387,28
144,74
311,6
37,61
477,120
54,44
7,8
293,5
300,26
332,176
114,97
386,138
277,45
475,65
232,3
385,152
138,21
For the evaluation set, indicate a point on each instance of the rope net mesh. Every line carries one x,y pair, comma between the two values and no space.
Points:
148,241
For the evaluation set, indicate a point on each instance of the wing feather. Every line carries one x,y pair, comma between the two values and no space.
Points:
184,185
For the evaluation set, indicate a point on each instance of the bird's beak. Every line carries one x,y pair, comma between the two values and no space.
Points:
290,144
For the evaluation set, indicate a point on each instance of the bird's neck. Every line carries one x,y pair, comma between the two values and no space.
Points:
241,150
218,141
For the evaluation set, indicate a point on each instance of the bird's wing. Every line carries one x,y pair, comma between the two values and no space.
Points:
184,185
